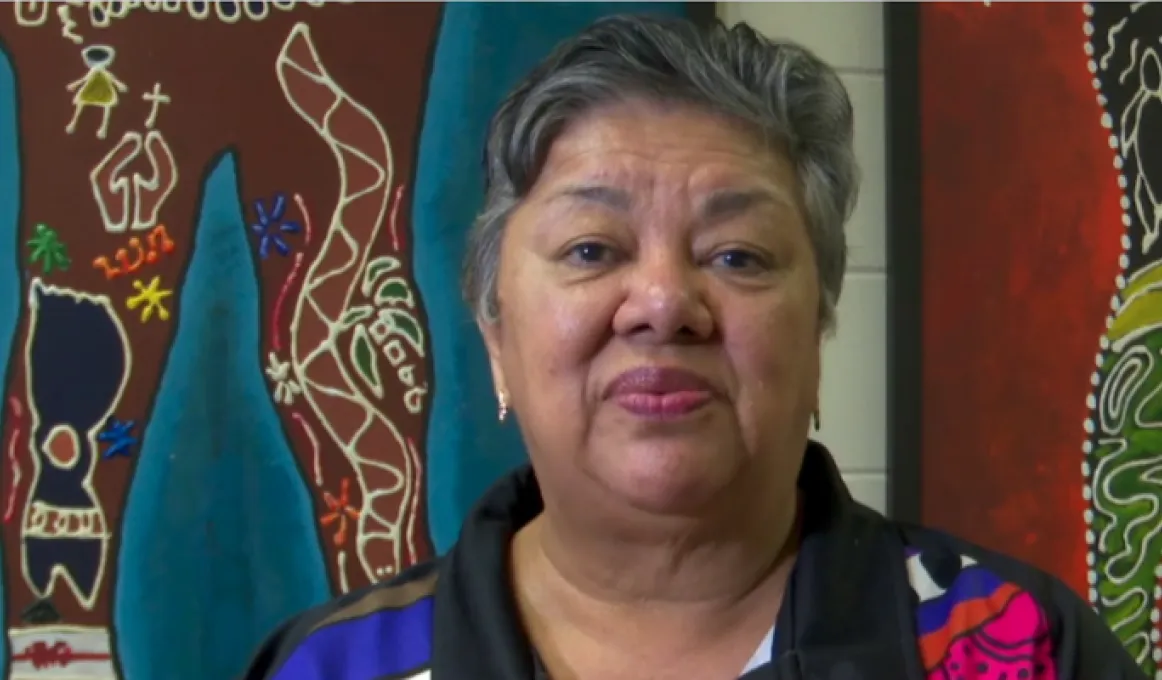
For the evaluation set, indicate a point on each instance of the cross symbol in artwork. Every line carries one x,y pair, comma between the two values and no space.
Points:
156,98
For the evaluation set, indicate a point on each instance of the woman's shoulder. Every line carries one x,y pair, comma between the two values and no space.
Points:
307,646
993,599
939,562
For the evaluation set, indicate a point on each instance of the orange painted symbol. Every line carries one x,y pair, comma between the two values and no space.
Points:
340,511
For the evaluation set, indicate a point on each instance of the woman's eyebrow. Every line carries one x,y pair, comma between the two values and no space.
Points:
727,203
607,196
720,204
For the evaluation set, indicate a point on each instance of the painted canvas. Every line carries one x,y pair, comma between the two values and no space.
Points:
1027,215
239,379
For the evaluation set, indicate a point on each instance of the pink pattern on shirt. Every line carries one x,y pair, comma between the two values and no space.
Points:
1015,640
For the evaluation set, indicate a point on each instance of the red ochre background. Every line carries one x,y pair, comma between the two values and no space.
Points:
1021,238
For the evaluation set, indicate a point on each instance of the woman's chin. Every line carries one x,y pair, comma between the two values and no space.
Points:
664,482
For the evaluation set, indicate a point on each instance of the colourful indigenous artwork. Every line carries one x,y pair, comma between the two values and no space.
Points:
1035,250
240,380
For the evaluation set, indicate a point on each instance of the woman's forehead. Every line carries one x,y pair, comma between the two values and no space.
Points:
654,132
636,148
629,162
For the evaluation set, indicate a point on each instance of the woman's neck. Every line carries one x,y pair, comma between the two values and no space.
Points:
701,588
720,557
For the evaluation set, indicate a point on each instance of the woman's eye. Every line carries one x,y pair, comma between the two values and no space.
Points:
739,260
590,253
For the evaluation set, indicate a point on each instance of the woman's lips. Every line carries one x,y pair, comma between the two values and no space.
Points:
660,392
668,405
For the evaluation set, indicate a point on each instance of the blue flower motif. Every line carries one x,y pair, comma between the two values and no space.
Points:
118,434
271,225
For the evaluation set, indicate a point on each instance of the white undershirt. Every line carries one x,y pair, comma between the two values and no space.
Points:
761,655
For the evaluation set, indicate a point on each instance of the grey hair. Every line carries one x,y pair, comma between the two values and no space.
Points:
792,99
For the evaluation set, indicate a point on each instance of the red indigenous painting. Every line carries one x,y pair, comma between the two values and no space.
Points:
1026,216
322,122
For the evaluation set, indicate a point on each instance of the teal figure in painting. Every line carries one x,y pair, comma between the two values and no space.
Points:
10,292
215,501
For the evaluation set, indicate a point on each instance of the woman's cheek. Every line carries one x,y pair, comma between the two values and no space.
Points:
770,350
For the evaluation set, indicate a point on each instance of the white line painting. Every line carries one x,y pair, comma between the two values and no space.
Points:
333,377
64,531
133,202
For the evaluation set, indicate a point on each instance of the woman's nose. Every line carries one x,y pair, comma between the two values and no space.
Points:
665,302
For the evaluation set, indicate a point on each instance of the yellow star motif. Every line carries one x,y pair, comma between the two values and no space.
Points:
150,296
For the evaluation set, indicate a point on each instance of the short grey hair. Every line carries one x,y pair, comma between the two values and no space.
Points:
782,91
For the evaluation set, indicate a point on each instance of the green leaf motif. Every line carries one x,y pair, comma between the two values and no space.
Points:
365,360
394,291
403,323
375,269
355,315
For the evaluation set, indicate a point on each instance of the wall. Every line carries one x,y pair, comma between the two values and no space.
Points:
850,37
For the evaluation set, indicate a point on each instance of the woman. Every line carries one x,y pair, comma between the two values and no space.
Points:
654,271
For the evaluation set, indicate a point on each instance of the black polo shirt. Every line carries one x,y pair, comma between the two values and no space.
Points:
868,599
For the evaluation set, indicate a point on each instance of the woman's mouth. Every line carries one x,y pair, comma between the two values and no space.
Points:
658,392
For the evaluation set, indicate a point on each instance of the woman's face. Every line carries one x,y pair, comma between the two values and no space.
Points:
658,335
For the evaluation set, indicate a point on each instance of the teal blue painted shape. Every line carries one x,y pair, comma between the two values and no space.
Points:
9,235
483,49
218,541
